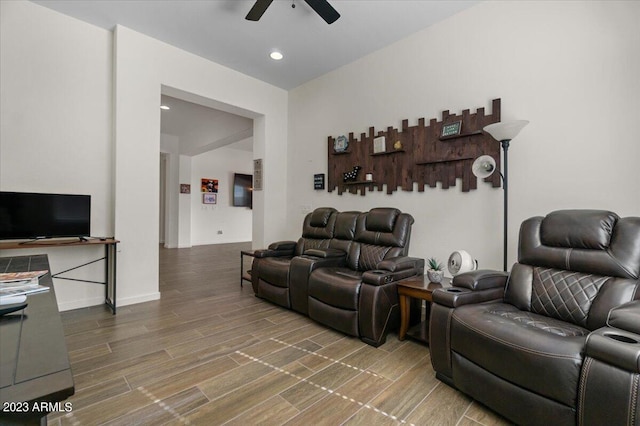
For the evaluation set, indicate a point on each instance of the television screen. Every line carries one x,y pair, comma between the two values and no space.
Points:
26,215
242,190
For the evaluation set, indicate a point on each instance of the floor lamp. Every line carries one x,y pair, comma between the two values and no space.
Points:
485,165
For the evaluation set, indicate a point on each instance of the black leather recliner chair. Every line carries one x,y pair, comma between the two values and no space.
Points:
342,272
556,341
359,297
270,267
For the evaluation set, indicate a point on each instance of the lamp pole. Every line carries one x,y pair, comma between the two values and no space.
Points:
505,179
505,132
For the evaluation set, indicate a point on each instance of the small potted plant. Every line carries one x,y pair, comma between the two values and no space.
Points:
435,272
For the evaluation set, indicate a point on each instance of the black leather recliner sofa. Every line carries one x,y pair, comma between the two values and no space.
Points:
342,271
556,341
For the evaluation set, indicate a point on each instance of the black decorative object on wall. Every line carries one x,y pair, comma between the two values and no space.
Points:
351,176
318,181
424,155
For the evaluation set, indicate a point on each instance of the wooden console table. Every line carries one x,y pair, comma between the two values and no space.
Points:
35,372
110,246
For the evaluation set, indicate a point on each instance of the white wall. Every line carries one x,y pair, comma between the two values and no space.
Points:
208,219
143,67
569,67
80,114
56,126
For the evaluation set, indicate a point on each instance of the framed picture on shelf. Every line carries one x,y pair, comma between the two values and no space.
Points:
379,145
451,129
209,198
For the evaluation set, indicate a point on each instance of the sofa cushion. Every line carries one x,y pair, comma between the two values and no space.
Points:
320,217
596,253
564,295
336,286
582,229
537,353
275,271
382,219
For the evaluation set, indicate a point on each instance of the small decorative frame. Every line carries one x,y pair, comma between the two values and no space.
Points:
209,185
341,144
379,145
451,129
209,198
318,181
185,188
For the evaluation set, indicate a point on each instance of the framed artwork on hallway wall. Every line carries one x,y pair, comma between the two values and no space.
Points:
209,185
209,198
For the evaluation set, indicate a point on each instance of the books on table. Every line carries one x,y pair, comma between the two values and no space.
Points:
18,283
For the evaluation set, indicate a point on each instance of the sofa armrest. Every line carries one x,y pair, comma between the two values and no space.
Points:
608,388
402,263
472,287
619,343
626,317
277,249
482,279
615,347
394,269
325,253
452,297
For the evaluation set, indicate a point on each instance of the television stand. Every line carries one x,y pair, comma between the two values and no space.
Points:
110,245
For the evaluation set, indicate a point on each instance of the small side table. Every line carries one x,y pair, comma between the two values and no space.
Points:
245,275
418,287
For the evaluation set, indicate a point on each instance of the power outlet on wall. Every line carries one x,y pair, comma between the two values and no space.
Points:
219,231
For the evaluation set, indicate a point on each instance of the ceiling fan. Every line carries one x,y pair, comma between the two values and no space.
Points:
322,8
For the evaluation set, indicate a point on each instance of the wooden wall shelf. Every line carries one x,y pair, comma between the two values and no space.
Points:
422,163
361,182
462,135
397,151
426,158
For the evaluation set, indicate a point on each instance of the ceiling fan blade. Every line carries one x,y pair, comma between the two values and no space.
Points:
324,9
258,10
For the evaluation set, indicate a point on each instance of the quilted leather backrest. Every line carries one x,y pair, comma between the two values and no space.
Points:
317,229
575,265
380,233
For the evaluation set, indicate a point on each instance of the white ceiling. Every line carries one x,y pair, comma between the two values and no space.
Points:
217,30
201,129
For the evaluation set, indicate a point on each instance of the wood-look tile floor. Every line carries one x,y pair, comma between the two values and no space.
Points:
209,352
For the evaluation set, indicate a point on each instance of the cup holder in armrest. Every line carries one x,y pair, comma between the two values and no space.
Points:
621,338
379,272
453,290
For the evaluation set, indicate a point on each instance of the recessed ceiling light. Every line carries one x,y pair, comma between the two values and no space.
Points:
165,107
276,56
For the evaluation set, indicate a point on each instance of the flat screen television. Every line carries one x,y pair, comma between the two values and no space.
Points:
242,190
28,215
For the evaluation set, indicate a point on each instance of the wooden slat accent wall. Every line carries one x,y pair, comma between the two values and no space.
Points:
424,159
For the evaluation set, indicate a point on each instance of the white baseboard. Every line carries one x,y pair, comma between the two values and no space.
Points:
77,304
85,303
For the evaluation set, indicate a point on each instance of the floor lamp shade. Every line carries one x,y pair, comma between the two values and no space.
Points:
505,131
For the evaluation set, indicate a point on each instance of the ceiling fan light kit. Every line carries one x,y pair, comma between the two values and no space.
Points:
321,7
